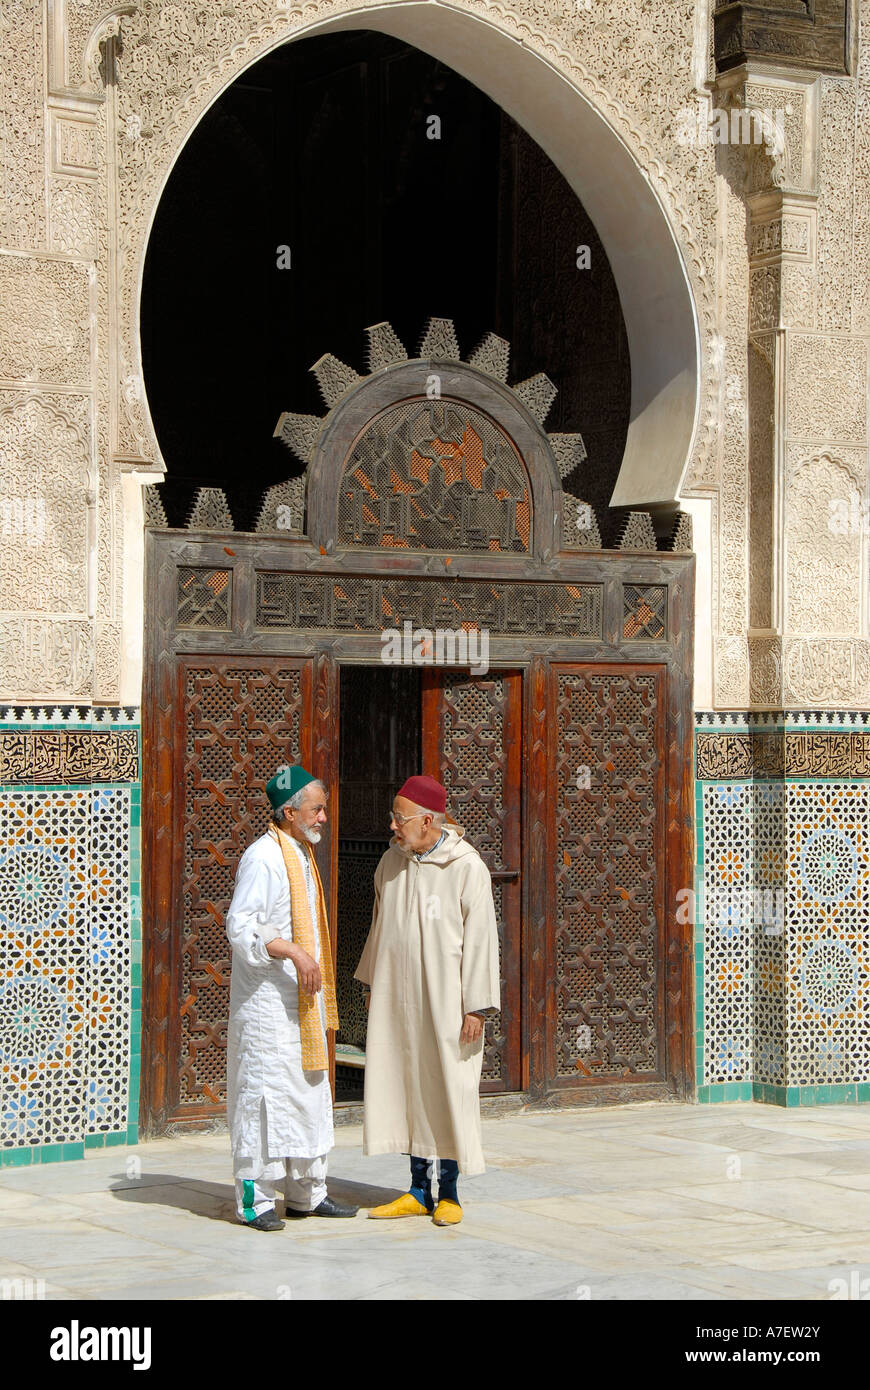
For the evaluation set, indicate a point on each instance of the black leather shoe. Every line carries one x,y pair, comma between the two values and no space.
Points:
268,1221
327,1208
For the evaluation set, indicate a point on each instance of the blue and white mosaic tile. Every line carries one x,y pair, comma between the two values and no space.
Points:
65,963
786,922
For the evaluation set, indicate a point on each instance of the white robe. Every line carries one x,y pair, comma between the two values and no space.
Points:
431,957
274,1108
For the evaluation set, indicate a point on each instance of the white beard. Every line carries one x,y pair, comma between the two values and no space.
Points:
312,834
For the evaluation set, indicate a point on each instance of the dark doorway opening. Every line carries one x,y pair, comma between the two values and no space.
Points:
402,192
379,747
466,732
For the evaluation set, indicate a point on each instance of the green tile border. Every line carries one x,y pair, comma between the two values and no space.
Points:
15,1158
725,1091
845,1093
26,1156
791,1097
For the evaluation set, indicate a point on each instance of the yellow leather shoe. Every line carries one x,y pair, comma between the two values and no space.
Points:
403,1206
447,1213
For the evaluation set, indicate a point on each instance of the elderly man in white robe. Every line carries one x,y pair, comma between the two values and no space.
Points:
431,967
282,1000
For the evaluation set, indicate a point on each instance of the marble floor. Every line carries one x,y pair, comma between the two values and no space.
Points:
740,1201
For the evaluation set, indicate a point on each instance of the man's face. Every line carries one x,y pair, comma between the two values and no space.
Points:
411,826
305,822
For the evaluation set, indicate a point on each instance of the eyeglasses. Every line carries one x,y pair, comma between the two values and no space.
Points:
403,820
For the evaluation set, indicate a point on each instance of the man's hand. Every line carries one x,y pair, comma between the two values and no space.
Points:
472,1027
368,998
307,968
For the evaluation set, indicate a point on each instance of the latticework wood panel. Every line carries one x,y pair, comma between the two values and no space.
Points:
478,726
428,475
240,724
608,875
356,896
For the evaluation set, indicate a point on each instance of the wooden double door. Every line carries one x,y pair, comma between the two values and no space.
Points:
557,772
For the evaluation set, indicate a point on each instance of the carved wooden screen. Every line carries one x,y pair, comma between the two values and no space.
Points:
242,719
581,877
607,750
472,742
435,475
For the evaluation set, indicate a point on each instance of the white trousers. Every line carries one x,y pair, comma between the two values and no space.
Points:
303,1181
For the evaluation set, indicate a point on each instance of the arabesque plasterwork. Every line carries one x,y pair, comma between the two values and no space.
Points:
99,100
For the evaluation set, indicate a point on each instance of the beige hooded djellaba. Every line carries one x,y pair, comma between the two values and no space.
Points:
431,957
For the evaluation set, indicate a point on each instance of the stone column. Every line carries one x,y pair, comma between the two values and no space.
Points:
796,937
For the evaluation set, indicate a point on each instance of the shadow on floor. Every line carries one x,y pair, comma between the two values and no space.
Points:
216,1201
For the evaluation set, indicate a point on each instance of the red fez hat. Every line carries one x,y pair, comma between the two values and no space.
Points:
425,791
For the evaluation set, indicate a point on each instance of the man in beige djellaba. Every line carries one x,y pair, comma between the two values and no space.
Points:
431,969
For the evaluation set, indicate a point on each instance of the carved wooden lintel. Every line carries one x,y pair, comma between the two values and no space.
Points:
794,32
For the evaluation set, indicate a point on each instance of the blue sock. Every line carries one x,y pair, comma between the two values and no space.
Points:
448,1176
421,1181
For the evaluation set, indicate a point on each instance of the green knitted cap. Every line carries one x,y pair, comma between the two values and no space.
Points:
286,783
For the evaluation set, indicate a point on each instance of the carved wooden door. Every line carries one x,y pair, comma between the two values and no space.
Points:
472,743
240,719
608,947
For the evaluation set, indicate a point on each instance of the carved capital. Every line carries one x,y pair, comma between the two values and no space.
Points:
783,227
783,260
772,117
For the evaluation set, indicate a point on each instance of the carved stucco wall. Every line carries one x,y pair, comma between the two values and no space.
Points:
798,251
775,246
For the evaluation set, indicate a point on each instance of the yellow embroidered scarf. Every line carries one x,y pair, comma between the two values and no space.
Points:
314,1054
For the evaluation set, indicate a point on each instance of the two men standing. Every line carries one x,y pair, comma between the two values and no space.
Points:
431,966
